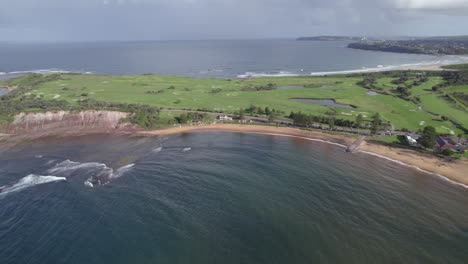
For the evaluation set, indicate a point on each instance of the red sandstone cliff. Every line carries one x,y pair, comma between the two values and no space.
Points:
64,121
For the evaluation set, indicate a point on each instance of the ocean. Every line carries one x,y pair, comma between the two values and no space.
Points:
218,197
215,58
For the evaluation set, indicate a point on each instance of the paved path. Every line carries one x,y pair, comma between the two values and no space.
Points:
356,144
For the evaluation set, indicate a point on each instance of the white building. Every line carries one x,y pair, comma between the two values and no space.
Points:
411,140
225,118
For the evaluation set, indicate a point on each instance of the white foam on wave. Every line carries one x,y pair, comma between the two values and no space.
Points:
70,166
13,74
29,181
120,171
381,68
107,175
159,149
40,71
102,174
186,149
265,74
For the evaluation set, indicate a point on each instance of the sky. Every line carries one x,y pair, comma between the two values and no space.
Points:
129,20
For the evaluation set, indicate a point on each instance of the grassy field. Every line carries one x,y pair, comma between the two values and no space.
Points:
229,95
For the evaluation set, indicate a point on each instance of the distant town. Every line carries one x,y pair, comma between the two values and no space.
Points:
455,45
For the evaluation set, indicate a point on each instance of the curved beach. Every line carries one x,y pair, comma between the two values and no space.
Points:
452,171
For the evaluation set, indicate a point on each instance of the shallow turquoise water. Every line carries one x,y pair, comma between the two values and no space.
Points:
222,198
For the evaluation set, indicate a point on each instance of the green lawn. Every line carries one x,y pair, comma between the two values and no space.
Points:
228,95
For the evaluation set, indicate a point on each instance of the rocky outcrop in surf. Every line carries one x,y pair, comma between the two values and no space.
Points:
100,173
59,121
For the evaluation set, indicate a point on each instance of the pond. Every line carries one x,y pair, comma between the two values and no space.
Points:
3,91
324,102
291,87
371,93
316,86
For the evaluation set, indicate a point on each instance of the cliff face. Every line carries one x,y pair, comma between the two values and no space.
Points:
64,121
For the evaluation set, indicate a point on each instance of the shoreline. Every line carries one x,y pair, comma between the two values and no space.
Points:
453,171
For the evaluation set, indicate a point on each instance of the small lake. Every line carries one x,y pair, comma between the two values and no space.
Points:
324,102
318,86
291,87
3,91
371,93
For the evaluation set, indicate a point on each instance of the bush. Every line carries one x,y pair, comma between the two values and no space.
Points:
447,152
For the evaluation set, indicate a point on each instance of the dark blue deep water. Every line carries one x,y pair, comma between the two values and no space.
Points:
221,198
215,58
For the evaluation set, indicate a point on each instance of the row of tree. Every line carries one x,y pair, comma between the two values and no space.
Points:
308,120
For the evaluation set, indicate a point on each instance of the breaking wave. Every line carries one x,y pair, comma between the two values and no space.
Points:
159,149
268,74
69,166
106,175
13,74
447,60
186,149
29,181
380,68
101,173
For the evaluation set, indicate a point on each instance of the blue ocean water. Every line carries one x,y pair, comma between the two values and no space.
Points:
214,58
221,198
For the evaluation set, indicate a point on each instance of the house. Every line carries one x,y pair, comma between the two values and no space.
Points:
411,141
224,118
443,143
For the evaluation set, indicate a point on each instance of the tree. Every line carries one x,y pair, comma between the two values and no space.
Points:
331,123
359,120
428,137
241,114
267,110
376,123
271,117
447,152
404,91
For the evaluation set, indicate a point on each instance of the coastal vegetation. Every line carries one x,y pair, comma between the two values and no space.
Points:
399,100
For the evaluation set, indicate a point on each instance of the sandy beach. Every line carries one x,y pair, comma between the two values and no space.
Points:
436,67
453,171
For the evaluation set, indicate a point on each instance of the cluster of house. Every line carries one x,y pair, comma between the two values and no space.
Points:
225,118
442,143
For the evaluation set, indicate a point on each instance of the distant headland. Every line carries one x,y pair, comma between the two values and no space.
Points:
446,45
331,38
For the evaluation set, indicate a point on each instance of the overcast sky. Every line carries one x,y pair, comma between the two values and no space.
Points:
96,20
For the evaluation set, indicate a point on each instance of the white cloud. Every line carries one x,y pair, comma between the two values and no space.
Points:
432,4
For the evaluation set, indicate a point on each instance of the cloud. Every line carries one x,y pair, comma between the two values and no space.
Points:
432,4
86,20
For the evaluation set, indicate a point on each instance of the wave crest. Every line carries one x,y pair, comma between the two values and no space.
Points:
29,181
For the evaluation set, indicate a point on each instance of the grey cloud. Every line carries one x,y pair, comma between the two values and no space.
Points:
88,20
